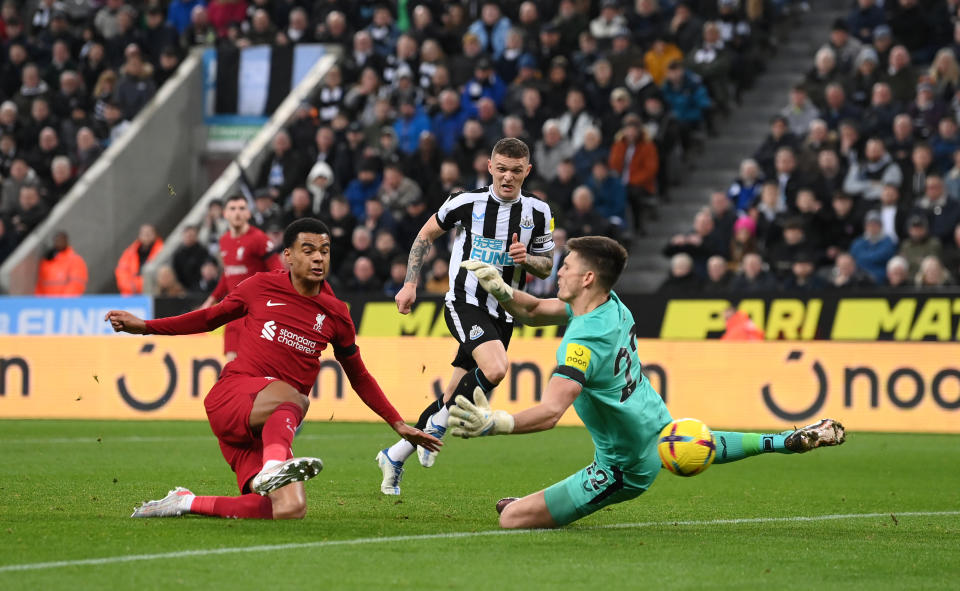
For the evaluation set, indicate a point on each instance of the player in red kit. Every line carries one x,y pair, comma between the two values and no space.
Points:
286,320
244,252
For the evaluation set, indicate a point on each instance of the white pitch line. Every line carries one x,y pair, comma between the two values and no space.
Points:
447,536
150,438
108,439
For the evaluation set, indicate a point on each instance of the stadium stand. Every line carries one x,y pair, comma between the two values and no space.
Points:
612,98
851,185
72,82
638,115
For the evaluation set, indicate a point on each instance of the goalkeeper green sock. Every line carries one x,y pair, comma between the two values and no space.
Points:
733,445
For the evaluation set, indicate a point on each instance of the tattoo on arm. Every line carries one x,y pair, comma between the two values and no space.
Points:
415,261
540,265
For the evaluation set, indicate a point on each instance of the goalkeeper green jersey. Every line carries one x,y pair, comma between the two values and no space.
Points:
623,413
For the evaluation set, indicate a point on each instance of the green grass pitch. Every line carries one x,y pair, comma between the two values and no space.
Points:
68,488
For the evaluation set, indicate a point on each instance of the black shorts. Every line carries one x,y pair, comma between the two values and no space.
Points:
473,326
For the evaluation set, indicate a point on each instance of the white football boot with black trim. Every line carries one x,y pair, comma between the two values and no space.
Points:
825,432
280,475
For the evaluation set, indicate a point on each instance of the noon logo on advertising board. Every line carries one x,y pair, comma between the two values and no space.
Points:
906,387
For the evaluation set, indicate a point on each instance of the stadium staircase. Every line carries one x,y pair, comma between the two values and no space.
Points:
738,136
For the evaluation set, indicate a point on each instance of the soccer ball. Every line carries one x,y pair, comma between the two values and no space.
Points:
686,447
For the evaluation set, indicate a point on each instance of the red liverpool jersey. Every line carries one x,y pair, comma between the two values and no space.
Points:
282,332
242,257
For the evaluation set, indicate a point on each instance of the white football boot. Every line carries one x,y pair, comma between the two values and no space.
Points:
392,473
427,457
293,470
176,503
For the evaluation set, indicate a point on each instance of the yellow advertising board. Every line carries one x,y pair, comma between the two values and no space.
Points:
910,387
913,387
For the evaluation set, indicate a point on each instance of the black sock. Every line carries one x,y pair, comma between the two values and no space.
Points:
468,384
428,412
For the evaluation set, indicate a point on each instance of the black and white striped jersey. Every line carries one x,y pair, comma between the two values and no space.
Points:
485,225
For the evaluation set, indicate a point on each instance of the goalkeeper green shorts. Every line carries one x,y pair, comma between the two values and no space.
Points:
594,488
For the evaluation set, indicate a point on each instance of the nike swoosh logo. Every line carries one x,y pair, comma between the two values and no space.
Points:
271,304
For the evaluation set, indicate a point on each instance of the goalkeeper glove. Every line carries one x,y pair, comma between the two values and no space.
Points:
473,419
490,280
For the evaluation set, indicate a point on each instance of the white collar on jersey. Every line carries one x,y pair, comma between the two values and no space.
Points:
501,199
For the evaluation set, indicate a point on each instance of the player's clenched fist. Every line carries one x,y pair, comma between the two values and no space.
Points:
517,251
123,321
405,297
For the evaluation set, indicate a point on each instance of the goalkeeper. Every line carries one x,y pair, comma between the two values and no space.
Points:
598,371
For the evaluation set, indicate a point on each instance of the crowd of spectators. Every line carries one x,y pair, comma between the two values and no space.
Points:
72,76
857,184
605,93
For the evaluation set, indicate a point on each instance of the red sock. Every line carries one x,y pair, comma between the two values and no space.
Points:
248,506
279,430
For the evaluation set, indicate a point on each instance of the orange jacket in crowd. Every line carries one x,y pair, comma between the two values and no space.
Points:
129,281
656,62
741,328
63,275
643,165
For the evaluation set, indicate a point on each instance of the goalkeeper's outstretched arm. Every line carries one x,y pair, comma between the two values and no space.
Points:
476,419
534,311
528,309
557,398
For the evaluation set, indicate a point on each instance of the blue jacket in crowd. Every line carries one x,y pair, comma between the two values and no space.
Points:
872,256
689,101
609,197
358,193
449,128
499,35
743,195
408,130
474,90
584,159
943,149
178,13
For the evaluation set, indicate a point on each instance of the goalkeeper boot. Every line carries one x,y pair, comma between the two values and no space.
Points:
392,473
427,457
502,503
176,503
279,475
822,433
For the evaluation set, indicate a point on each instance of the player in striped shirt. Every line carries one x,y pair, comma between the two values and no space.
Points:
498,225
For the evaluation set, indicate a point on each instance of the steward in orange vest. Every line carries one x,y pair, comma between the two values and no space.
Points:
144,248
62,272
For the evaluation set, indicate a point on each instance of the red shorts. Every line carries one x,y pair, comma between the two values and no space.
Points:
231,335
228,406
